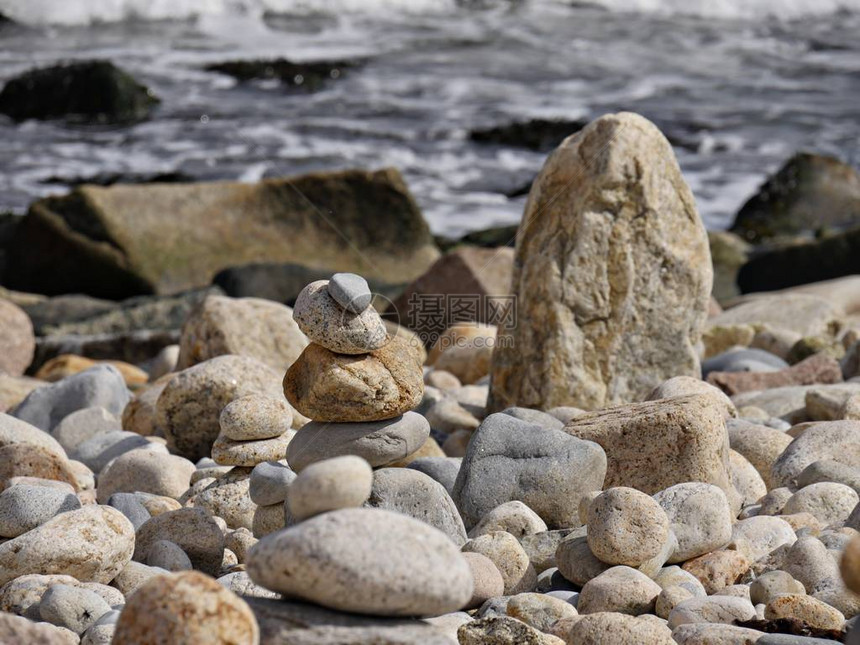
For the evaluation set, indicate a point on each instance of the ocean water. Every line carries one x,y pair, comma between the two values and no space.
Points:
739,84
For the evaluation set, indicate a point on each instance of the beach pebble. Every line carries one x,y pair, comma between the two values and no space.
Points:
813,612
84,424
227,452
535,417
329,485
619,589
576,562
93,543
367,561
227,498
850,564
130,505
15,630
379,442
240,583
811,564
330,387
671,597
100,386
626,526
612,628
448,416
30,460
192,529
714,634
718,569
541,547
512,517
145,471
189,408
746,479
254,417
488,581
98,450
415,494
508,459
501,630
757,536
712,609
239,541
539,610
829,502
17,343
269,482
684,385
769,585
350,291
700,517
442,379
760,445
24,507
133,575
268,519
443,469
509,557
74,608
332,326
185,608
827,470
834,440
169,556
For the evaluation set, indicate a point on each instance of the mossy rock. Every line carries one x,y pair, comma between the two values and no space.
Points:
540,135
811,345
92,92
809,193
832,257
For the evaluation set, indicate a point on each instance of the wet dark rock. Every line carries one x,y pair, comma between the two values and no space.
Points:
131,347
809,193
111,178
832,257
540,135
91,92
308,76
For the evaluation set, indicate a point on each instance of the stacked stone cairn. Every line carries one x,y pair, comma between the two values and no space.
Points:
358,385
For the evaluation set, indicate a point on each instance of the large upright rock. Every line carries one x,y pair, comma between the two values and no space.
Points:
125,240
612,274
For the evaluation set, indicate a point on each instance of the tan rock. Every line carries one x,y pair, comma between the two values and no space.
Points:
469,363
92,544
14,389
746,479
67,364
190,405
139,416
461,335
511,559
653,445
252,327
539,610
612,628
186,608
806,315
760,445
28,460
721,338
684,385
227,452
486,577
612,274
718,569
15,629
813,612
850,565
335,387
255,417
17,342
626,526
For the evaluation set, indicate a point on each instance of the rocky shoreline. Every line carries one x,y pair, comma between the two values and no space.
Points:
327,446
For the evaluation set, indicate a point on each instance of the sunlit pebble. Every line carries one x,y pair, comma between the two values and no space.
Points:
298,79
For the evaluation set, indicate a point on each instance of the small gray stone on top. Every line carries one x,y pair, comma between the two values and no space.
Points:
350,291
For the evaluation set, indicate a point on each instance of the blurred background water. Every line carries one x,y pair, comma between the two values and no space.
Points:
737,85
